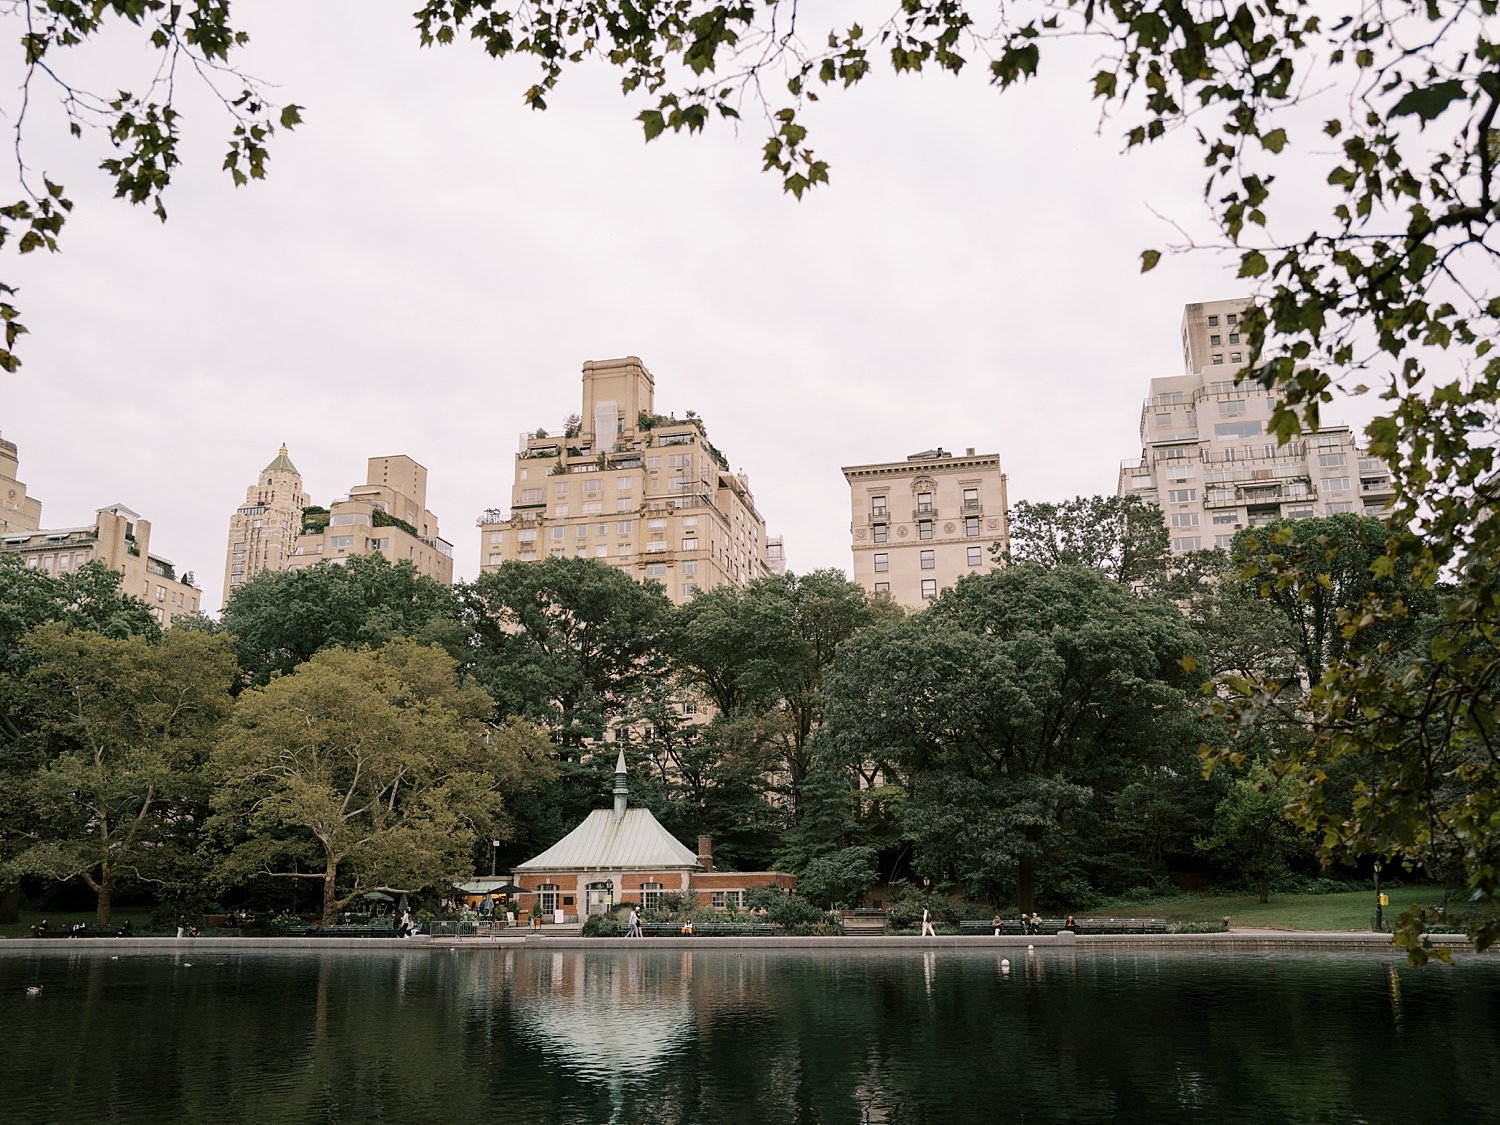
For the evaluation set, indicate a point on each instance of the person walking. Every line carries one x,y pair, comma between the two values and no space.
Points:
635,924
927,930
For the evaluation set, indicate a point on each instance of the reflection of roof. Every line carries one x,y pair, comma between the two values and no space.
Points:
634,841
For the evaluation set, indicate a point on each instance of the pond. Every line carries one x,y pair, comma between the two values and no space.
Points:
676,1036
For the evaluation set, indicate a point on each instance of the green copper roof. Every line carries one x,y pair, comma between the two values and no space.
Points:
282,464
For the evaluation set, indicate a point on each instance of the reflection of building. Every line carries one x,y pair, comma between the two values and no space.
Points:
630,488
1208,461
921,524
118,538
625,854
276,529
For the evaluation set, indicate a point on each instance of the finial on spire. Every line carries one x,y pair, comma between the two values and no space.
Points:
621,792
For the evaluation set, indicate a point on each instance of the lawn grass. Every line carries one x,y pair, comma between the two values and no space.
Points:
60,920
1345,910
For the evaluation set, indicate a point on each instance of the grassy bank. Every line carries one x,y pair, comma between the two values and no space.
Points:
1349,910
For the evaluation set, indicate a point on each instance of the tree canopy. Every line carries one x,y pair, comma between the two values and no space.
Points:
1122,537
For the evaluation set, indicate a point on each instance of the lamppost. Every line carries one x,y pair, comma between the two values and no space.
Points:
494,856
1379,902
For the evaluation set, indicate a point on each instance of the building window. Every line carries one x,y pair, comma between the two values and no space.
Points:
650,895
971,499
1186,543
1215,340
882,562
1222,541
1335,484
929,588
1234,337
929,562
547,897
1218,357
879,532
526,535
1213,322
1233,408
1185,519
924,501
1331,460
976,556
1227,517
342,540
1182,495
558,533
531,495
560,490
725,900
924,529
882,587
1234,357
690,543
877,505
656,570
1340,506
624,527
971,526
1232,318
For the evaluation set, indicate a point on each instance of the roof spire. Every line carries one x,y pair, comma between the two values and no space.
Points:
283,463
620,788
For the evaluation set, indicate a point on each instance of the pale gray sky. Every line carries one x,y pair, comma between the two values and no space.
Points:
430,263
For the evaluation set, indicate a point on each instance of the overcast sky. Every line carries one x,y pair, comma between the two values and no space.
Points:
430,263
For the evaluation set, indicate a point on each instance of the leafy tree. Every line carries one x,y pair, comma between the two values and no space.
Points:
281,618
363,771
1319,575
1123,537
842,878
1014,700
116,733
1251,831
764,649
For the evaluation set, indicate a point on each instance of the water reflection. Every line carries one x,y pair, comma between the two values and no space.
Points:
678,1036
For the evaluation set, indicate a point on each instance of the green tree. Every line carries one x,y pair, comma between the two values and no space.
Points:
1017,698
764,650
279,619
1122,537
1251,831
362,771
117,730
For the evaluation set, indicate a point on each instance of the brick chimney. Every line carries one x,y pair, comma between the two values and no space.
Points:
706,852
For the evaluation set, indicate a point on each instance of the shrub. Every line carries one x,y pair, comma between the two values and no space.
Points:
603,925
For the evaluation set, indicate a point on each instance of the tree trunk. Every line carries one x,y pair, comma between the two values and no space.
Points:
330,898
105,893
1265,888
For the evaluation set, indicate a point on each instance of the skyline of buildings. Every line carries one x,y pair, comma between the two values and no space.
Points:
650,494
277,529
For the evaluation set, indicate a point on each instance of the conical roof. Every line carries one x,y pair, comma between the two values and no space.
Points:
282,464
606,842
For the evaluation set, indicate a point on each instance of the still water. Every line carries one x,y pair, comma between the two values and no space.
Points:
707,1036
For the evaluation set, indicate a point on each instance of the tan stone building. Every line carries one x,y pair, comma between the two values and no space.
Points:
1209,461
121,540
276,529
645,493
18,511
921,524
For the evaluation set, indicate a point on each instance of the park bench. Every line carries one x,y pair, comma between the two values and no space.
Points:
1012,926
707,929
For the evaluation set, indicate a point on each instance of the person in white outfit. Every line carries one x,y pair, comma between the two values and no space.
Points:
927,930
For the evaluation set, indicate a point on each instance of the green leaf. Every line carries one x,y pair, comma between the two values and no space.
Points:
1427,102
1274,141
1149,258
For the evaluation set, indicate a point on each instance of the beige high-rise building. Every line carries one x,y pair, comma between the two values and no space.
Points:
18,511
118,538
276,529
921,524
263,530
1209,461
645,493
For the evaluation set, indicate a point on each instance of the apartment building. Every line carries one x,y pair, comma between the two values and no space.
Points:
921,524
118,537
1209,461
18,511
646,493
276,529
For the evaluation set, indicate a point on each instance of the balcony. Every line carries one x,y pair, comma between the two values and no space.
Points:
973,506
924,512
